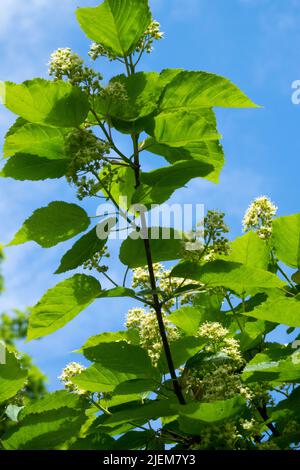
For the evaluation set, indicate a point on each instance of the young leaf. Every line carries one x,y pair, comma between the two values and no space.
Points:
53,224
116,24
286,239
61,304
45,102
194,90
30,167
84,249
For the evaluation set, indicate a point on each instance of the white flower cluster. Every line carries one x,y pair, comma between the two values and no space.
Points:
152,34
71,370
64,63
98,50
259,217
217,382
220,341
220,383
248,425
213,331
147,325
166,284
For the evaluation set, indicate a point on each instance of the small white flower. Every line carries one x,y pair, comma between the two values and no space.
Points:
259,217
71,370
64,62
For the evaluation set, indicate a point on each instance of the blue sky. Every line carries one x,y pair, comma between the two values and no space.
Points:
255,43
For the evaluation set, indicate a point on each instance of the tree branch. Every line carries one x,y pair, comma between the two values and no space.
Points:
156,303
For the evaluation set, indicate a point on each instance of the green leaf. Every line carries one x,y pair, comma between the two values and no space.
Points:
210,152
116,24
296,277
47,423
132,252
97,378
250,250
122,186
110,337
116,362
234,276
12,377
194,90
181,128
288,407
149,411
286,239
134,440
51,402
182,349
46,102
158,185
117,292
86,247
34,139
122,357
195,417
252,335
135,386
283,310
53,224
142,90
275,365
19,122
94,442
30,167
187,319
61,304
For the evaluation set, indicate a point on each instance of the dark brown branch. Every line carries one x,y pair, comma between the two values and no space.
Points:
156,303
